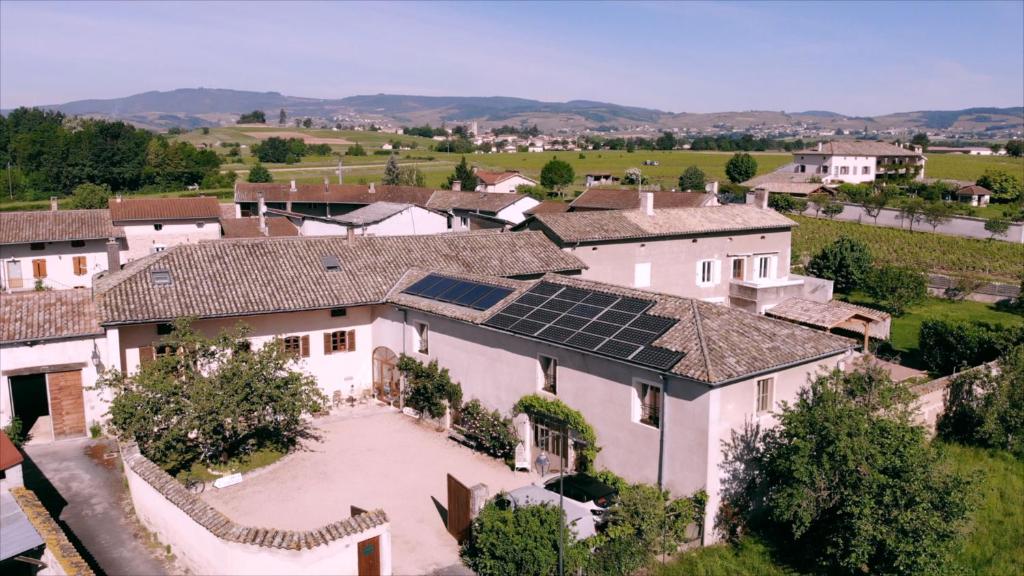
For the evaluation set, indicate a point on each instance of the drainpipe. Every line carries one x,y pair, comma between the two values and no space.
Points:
661,431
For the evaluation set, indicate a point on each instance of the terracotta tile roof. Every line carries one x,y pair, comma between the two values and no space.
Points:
128,209
492,178
823,315
278,192
372,213
56,226
614,225
57,542
250,227
9,454
472,201
626,199
548,207
254,276
973,190
47,315
858,148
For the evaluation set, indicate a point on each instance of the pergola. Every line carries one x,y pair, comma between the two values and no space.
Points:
834,314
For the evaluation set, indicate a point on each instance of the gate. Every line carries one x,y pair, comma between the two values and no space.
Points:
369,557
458,509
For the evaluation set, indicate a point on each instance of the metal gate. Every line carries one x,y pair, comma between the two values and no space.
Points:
458,509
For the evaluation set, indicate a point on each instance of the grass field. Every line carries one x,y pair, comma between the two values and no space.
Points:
961,167
921,250
993,544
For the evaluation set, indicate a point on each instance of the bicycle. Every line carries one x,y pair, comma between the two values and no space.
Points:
194,484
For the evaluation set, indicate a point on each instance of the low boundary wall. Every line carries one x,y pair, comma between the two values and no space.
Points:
208,542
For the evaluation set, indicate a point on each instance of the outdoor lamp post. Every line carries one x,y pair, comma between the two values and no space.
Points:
542,463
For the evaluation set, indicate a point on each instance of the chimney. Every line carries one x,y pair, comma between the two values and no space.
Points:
350,234
647,203
712,187
373,188
761,198
263,219
820,146
293,188
118,198
113,255
457,186
53,203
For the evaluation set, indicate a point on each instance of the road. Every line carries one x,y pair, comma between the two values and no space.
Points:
334,168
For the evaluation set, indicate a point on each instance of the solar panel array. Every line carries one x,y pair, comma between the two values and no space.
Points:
475,295
608,324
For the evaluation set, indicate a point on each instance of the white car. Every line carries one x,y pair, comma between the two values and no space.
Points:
578,517
590,492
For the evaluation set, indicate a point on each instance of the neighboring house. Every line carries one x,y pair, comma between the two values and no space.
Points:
974,195
968,150
154,224
52,350
255,227
857,161
377,219
547,207
470,209
734,254
629,199
601,179
58,249
502,182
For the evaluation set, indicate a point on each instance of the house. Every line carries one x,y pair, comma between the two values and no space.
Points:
601,179
629,199
547,207
734,254
785,181
377,219
974,195
154,224
255,227
501,182
474,209
968,150
57,249
857,161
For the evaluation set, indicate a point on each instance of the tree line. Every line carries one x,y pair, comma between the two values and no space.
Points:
45,153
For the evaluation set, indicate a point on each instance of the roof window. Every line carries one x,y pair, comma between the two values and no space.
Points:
331,262
160,277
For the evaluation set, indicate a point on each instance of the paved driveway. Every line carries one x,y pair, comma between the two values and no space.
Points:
85,492
376,458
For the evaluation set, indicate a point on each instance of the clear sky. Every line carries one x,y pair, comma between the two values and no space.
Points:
855,58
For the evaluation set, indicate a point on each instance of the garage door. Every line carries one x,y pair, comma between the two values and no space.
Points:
67,408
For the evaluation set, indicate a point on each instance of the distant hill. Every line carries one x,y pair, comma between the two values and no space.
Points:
194,107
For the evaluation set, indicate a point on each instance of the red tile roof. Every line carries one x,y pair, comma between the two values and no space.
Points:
250,227
56,226
128,209
492,178
9,455
547,207
48,315
629,199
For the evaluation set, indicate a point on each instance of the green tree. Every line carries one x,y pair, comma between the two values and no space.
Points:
1005,187
667,141
912,211
411,176
833,208
985,407
920,139
818,201
784,203
556,175
845,261
88,196
997,227
896,288
282,118
692,179
307,123
849,484
209,400
355,150
254,117
875,203
259,173
937,213
950,345
511,542
392,173
1015,148
464,175
741,167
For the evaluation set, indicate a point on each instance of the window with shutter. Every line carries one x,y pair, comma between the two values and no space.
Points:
350,339
328,343
304,350
39,268
79,265
146,355
292,345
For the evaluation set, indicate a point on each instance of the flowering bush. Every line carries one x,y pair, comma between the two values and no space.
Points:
493,434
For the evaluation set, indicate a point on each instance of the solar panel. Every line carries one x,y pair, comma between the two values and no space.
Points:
491,298
517,310
556,333
633,305
541,315
438,287
618,349
600,299
502,321
574,294
657,357
422,284
585,311
571,322
557,305
531,299
636,336
617,317
528,327
455,291
545,289
601,328
584,340
656,324
473,294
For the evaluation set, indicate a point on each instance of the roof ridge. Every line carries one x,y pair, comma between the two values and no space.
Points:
700,338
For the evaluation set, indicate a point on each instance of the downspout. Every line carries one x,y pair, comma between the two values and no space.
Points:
661,431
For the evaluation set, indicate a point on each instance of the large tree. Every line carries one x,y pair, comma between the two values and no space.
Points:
740,168
209,400
557,174
847,483
464,175
846,261
392,173
896,288
254,117
87,196
282,118
1005,187
692,179
1015,148
667,141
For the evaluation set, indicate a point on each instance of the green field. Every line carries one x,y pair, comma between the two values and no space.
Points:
921,250
961,167
994,537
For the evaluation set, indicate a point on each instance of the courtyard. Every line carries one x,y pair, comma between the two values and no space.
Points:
370,457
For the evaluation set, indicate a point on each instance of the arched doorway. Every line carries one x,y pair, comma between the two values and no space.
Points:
386,378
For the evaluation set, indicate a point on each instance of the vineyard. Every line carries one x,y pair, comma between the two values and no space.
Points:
922,250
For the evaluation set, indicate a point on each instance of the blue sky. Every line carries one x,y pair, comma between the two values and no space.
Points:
855,58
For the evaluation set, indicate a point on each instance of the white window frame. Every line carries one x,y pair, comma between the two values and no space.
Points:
743,269
642,275
710,268
421,334
542,374
764,401
637,408
765,263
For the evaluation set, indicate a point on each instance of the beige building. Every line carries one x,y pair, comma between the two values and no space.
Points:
154,224
501,182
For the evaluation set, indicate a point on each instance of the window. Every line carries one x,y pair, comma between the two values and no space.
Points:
37,246
844,170
642,275
549,374
79,265
339,341
297,346
764,267
422,338
160,277
158,227
737,268
707,272
200,224
866,170
78,243
158,248
764,394
39,268
161,350
464,221
647,404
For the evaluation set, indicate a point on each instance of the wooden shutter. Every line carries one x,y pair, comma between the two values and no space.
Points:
305,346
350,340
146,355
39,268
327,343
80,266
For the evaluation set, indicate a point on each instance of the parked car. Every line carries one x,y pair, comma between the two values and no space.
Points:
577,516
651,163
595,495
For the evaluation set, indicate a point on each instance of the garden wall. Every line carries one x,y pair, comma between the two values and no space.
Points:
207,542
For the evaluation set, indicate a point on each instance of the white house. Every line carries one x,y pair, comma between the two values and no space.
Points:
857,161
153,224
501,182
58,249
377,219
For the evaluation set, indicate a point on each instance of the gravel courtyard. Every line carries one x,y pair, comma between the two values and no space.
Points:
369,457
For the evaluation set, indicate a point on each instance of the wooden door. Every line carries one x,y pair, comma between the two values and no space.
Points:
369,557
14,280
458,509
67,407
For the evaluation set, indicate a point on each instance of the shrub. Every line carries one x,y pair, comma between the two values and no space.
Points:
845,261
950,345
740,168
16,432
493,434
692,179
985,407
87,196
512,542
785,203
896,288
554,410
355,150
95,430
429,388
259,173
